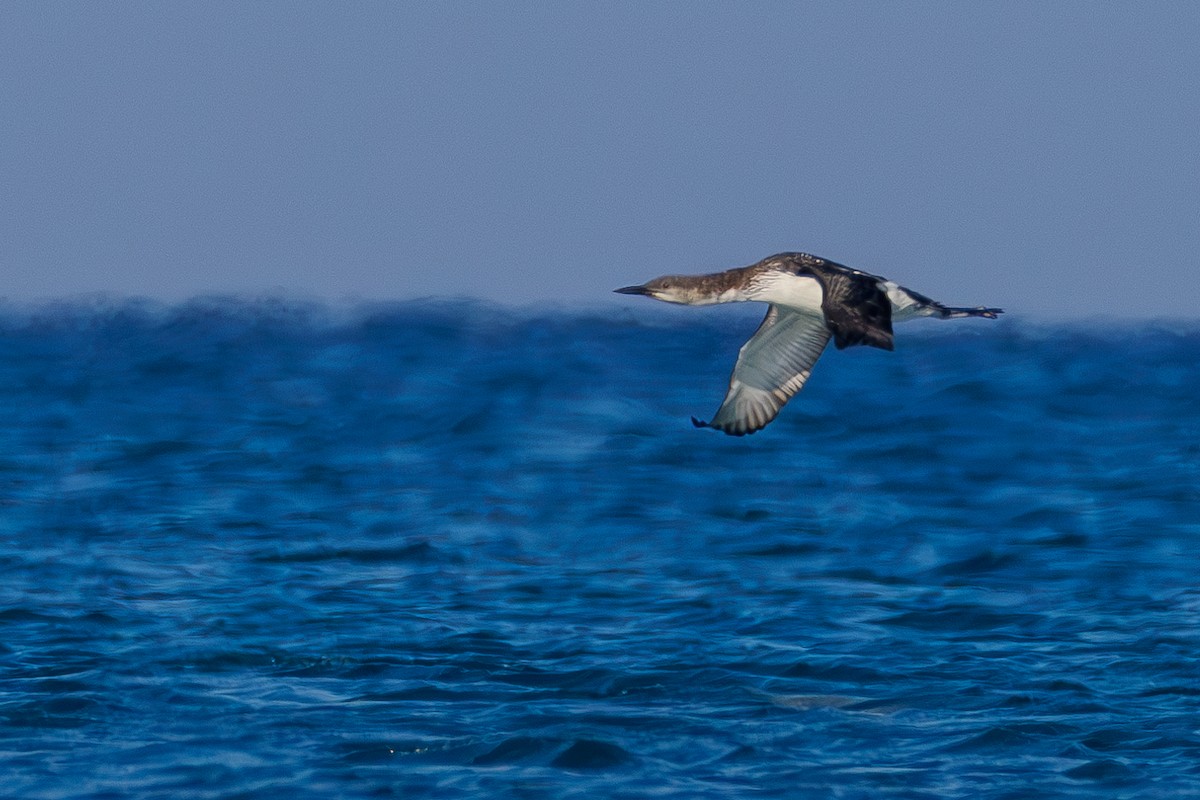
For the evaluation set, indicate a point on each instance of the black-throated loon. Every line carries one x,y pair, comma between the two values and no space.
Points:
811,300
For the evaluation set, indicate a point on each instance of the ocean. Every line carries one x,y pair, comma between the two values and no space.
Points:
262,548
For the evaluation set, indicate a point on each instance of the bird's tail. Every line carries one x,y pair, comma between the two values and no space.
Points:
946,312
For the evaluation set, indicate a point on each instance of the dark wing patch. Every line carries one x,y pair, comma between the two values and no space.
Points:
856,310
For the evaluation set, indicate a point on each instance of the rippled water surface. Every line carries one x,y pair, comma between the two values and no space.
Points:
253,550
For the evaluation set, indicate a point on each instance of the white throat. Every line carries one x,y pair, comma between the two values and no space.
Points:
801,292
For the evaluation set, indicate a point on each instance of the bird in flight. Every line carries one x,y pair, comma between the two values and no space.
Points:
811,300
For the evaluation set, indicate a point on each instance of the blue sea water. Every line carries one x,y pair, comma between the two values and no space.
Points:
261,549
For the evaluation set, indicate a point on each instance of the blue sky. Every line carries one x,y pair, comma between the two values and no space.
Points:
1044,157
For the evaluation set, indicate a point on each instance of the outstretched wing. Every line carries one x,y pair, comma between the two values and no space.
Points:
770,368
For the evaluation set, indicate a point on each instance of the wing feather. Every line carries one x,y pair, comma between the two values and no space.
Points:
771,367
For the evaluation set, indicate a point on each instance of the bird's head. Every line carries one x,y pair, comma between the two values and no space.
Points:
670,289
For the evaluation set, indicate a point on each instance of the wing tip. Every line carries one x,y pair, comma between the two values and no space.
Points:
849,337
699,423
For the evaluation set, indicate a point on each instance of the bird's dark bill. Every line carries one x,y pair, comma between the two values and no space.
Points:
632,290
